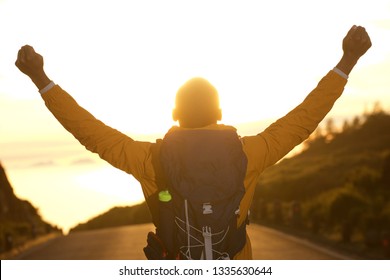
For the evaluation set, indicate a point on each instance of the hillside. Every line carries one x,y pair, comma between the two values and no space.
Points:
337,188
19,220
327,164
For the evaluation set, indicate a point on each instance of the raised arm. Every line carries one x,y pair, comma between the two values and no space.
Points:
282,136
113,146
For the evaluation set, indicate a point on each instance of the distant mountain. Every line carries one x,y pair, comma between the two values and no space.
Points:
118,216
19,220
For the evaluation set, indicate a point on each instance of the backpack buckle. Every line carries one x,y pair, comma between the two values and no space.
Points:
207,208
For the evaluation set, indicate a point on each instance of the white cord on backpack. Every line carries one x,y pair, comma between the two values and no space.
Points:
188,229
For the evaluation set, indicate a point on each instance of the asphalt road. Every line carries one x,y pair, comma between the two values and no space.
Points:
126,243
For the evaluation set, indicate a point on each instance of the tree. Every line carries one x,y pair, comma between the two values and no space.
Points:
329,130
377,109
346,126
356,123
386,173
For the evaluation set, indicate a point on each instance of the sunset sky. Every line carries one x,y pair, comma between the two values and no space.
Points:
124,61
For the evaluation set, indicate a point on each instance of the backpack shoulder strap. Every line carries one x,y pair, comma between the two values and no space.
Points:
159,174
152,201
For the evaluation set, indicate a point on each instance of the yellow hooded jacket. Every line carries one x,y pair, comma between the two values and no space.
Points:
262,150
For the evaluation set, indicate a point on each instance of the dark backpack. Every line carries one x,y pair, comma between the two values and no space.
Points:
201,186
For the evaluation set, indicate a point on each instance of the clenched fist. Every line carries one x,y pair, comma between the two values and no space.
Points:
355,45
31,63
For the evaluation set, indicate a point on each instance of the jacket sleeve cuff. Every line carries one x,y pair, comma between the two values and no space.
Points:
341,73
47,88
